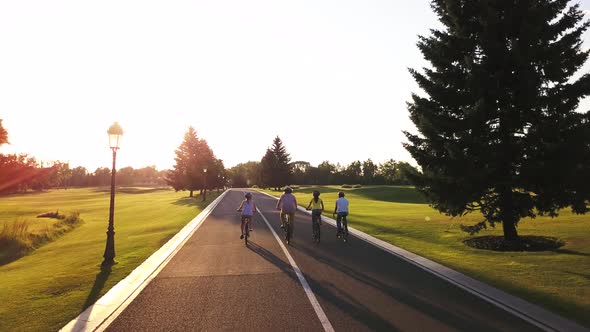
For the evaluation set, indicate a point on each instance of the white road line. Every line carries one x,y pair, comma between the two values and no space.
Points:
314,302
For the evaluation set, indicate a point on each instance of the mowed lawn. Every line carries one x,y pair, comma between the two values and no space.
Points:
47,288
558,280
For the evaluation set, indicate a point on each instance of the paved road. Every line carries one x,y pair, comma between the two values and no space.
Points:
217,283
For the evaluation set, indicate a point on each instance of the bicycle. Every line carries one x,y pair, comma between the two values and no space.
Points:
288,228
247,221
246,227
343,231
315,226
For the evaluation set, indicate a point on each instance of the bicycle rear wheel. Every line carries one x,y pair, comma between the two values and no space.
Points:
316,232
246,231
288,231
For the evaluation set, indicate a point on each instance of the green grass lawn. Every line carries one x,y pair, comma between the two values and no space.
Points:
558,280
45,289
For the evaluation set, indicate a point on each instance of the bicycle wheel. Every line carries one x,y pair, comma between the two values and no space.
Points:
288,231
247,230
316,232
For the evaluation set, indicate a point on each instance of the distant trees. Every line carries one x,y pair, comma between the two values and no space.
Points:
391,172
193,156
244,175
500,129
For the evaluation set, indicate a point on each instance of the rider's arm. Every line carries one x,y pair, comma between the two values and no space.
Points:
322,203
241,206
279,203
253,207
309,205
336,208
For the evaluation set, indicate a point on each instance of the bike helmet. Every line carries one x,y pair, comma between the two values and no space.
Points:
288,190
341,194
248,195
316,193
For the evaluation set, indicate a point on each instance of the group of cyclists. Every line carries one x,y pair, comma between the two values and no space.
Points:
287,205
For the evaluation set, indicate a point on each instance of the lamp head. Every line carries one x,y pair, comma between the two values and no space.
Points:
115,133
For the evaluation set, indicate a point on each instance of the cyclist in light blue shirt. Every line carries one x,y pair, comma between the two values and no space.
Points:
341,211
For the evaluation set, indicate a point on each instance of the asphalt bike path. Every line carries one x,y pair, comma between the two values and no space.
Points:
216,283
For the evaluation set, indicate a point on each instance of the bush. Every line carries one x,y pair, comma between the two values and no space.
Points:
16,240
255,186
357,186
346,186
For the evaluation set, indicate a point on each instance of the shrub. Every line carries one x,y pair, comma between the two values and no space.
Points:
357,186
346,186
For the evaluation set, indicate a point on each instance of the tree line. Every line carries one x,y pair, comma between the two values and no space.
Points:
276,170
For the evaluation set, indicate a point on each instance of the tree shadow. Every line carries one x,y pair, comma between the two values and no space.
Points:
571,252
393,194
187,201
329,292
197,200
407,274
385,193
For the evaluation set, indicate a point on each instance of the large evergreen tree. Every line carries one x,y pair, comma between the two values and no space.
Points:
500,129
192,157
275,165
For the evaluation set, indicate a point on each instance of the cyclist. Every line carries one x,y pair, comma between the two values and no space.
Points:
287,204
341,210
247,208
317,207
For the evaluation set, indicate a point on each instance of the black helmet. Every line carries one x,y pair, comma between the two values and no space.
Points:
316,193
288,190
248,195
341,194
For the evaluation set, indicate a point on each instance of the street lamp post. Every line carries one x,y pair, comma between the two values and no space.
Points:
115,132
204,184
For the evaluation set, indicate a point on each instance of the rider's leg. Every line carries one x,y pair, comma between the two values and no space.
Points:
345,222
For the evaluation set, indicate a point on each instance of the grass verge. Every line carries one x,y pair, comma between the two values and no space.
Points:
51,285
557,280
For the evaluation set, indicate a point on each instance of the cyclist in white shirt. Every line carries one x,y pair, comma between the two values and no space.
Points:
247,208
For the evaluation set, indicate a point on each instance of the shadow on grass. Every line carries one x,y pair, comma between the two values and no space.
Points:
197,200
11,250
392,194
131,190
385,193
99,282
571,252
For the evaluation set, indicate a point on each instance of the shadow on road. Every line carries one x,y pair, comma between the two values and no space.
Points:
330,293
416,298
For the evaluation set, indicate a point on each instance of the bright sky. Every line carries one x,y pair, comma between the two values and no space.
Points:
327,76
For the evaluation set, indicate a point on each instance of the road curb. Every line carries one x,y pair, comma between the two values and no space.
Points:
98,316
529,312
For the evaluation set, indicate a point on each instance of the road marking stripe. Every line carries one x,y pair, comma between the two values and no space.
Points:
314,302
